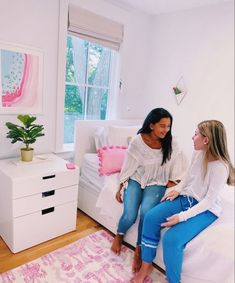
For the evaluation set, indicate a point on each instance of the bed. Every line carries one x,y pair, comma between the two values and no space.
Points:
208,258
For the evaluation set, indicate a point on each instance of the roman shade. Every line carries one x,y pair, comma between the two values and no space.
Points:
96,28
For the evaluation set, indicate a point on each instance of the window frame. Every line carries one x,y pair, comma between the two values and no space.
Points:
86,85
61,82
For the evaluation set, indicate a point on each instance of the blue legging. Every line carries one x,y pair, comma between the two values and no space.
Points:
175,238
135,198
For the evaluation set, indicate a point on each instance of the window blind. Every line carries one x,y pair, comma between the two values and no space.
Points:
96,28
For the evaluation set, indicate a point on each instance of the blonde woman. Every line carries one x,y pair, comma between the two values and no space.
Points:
191,206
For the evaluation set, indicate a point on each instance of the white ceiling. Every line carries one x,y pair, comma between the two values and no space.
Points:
155,7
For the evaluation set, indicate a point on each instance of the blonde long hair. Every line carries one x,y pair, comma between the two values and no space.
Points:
217,144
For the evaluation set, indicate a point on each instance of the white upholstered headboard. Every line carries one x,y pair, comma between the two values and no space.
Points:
84,135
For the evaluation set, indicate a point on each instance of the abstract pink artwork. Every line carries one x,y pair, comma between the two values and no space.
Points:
20,80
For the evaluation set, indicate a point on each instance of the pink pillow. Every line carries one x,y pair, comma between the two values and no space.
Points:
111,159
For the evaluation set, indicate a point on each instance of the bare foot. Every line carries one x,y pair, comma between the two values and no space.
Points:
136,263
117,244
146,268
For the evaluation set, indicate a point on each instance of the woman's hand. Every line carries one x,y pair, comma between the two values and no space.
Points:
171,221
119,194
170,196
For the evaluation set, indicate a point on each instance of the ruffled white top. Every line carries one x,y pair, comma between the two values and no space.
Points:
143,164
204,189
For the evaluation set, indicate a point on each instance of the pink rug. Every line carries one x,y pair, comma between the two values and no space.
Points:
88,260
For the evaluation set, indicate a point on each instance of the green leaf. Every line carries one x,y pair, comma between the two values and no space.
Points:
28,133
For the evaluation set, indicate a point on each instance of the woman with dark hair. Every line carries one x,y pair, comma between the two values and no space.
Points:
153,163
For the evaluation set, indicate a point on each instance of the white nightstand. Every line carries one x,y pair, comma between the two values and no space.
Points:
38,200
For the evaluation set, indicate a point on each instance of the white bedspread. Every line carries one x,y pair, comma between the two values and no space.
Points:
89,171
106,201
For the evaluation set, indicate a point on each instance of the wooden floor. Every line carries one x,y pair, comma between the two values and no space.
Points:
8,260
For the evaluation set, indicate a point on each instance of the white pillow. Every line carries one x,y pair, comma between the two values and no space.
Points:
100,138
121,135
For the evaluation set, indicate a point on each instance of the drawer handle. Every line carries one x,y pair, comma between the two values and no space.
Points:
48,210
48,177
48,193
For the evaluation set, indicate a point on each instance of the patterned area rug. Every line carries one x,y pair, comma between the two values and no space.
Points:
88,260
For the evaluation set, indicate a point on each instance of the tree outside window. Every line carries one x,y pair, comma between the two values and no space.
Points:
87,86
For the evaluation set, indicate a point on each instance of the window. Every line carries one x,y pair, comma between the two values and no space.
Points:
88,83
88,70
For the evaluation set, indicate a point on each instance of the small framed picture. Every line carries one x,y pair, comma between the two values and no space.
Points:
179,90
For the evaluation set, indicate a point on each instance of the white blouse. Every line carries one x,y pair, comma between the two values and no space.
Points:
143,164
205,189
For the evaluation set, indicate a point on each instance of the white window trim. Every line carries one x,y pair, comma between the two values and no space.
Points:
114,78
62,41
62,47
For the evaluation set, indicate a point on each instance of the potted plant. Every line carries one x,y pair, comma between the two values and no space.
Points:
28,133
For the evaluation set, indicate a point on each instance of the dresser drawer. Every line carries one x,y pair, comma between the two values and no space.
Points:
31,185
38,202
38,227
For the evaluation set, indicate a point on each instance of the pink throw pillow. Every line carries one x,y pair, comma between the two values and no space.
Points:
111,159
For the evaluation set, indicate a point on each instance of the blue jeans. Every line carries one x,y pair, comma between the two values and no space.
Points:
176,237
135,198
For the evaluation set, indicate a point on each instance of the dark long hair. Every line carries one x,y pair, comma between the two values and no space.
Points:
154,117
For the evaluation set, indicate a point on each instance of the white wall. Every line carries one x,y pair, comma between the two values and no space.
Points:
35,24
198,45
134,53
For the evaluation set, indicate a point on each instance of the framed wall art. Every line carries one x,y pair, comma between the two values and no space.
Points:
20,80
179,90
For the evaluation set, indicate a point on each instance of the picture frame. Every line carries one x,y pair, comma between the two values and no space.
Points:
21,83
179,90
